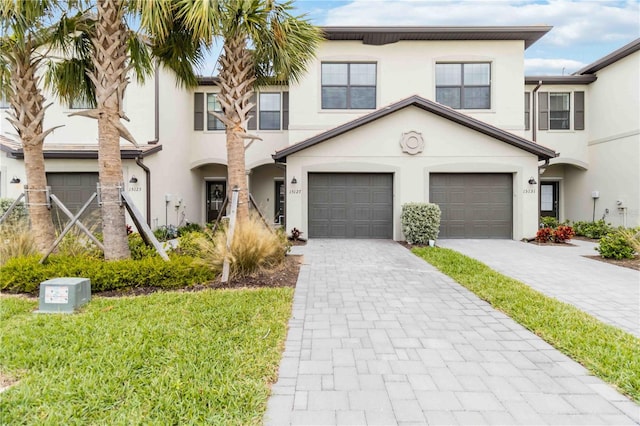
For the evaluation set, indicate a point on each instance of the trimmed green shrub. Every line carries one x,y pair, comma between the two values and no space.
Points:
139,249
595,230
615,245
420,222
188,243
189,228
549,222
24,274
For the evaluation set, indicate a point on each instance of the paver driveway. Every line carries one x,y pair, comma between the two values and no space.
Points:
378,336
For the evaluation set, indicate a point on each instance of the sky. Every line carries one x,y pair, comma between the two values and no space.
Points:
583,30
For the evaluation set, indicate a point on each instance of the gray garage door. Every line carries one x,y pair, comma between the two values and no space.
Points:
74,189
474,205
350,205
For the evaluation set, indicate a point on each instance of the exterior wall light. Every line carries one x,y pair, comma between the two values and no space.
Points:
15,179
294,181
133,179
532,181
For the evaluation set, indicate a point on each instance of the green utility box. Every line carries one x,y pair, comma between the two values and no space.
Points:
63,295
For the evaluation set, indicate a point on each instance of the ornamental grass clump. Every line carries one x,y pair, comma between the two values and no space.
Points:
255,247
16,240
420,222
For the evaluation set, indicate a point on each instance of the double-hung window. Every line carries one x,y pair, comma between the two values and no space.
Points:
213,105
464,85
347,85
269,107
559,110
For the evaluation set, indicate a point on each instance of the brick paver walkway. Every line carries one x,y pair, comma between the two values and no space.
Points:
379,337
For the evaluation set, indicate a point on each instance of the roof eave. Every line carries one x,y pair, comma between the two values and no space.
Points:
611,58
543,153
560,79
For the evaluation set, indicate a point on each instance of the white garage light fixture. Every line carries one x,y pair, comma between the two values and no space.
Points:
294,181
532,181
133,179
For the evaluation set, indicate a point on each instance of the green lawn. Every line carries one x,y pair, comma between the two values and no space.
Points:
608,352
168,358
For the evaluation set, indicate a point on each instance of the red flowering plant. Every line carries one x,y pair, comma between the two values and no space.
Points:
563,233
543,235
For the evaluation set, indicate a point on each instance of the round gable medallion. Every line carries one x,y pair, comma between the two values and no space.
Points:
412,143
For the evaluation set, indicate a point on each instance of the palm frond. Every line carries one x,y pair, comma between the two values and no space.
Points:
139,56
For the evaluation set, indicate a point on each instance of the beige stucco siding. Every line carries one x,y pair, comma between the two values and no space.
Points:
448,148
407,68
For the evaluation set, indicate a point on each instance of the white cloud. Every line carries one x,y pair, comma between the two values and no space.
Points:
582,30
539,66
573,20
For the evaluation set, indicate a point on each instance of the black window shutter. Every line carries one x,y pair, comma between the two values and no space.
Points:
543,110
578,117
198,111
253,112
527,110
285,110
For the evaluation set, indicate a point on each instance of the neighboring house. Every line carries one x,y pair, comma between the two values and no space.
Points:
592,119
383,117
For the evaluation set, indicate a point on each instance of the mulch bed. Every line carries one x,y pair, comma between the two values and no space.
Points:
627,263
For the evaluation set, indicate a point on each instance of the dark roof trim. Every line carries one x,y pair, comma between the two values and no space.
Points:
125,154
543,153
213,81
612,57
560,79
384,35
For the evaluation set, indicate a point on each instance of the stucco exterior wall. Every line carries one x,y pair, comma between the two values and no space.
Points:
448,148
570,144
408,68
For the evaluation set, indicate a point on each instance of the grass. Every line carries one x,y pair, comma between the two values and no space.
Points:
168,358
608,352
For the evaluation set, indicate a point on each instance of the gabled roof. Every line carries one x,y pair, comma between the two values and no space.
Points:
384,35
77,151
543,153
612,57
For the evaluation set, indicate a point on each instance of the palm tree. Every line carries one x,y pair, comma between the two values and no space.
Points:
100,70
30,30
262,42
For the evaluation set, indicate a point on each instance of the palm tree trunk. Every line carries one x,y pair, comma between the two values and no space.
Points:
236,87
39,213
111,81
27,117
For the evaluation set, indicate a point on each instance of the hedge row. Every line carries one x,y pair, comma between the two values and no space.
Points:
24,275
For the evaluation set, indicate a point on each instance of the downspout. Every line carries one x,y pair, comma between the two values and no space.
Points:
147,173
139,162
534,124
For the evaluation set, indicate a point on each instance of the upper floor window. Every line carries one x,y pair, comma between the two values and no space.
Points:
464,85
269,106
213,105
348,85
270,111
554,110
559,111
